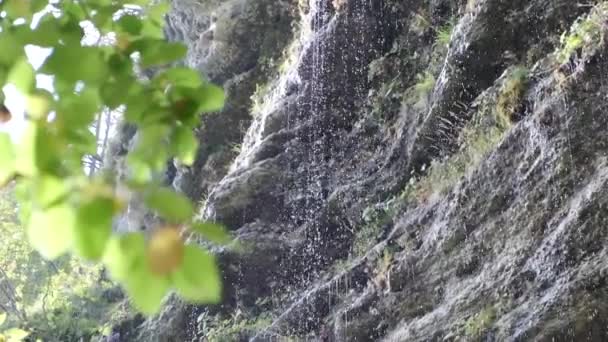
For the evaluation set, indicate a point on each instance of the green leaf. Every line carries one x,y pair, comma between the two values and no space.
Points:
212,98
39,104
49,190
139,170
14,335
185,145
146,289
181,77
22,75
79,110
51,231
170,204
123,254
7,158
2,318
93,227
11,48
158,51
72,63
157,12
198,278
130,24
212,231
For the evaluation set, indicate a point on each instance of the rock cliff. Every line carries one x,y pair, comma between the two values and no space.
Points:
401,170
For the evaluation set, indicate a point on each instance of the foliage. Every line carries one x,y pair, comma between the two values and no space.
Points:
509,101
12,334
424,86
587,31
441,175
64,209
235,327
56,300
444,33
375,219
477,324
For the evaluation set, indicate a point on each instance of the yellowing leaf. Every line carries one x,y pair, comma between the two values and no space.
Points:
165,251
198,278
51,231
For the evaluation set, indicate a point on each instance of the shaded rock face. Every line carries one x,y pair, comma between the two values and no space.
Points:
421,170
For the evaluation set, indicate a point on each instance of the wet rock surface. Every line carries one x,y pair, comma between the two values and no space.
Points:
395,186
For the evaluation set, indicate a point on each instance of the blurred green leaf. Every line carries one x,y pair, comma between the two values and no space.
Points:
50,190
93,227
73,63
7,158
158,51
212,231
11,48
185,145
51,231
2,318
14,335
212,98
22,76
123,254
146,289
129,24
198,279
169,204
180,76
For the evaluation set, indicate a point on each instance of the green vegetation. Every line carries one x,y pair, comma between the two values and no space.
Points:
367,236
586,32
424,86
59,300
510,96
476,325
233,328
444,33
63,208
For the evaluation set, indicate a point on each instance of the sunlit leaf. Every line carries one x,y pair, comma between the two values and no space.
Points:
169,204
211,231
51,231
93,227
7,158
185,145
22,76
146,290
2,318
198,279
15,335
50,190
212,98
123,254
39,103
